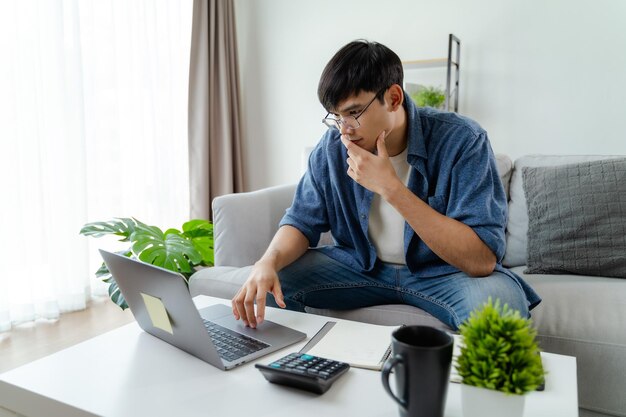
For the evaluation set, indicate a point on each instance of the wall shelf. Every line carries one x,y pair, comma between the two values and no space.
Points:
452,63
425,63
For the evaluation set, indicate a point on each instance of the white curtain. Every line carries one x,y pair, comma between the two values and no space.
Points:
93,125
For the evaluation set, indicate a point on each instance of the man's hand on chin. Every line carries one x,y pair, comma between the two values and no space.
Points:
372,171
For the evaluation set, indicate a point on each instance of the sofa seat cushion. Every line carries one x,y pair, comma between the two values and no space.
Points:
585,317
579,307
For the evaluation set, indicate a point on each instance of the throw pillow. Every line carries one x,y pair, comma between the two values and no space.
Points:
577,218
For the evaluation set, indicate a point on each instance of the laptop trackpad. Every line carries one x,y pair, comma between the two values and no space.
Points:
268,331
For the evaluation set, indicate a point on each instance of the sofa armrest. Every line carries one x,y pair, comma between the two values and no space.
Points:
245,223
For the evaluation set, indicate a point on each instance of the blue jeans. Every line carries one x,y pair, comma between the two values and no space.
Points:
316,280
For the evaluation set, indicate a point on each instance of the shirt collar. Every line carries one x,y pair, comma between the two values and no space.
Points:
415,136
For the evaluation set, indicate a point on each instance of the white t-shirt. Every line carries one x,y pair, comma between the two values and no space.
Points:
386,225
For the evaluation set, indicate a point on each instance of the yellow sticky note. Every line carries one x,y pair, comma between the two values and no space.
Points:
158,313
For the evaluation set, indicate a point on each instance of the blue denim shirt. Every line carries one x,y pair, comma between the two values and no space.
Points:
453,170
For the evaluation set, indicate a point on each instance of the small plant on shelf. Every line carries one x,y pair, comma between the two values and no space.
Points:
429,97
177,251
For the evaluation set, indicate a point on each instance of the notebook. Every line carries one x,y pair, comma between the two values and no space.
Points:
361,345
162,306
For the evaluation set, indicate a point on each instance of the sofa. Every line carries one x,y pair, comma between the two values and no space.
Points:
580,315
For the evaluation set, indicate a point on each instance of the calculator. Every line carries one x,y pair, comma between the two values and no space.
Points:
307,372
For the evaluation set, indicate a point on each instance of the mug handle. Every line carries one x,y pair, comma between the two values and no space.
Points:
387,367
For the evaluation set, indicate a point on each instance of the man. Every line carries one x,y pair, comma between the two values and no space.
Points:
411,196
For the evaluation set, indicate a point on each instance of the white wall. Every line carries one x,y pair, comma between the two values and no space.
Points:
542,76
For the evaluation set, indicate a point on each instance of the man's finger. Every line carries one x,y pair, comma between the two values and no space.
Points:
260,307
353,150
381,145
346,142
351,173
351,164
249,306
278,296
241,311
234,307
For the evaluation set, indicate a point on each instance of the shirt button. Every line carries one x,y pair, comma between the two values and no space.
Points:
363,216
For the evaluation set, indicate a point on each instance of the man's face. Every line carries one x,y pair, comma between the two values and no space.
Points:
371,122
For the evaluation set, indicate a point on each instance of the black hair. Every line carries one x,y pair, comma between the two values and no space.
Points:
359,66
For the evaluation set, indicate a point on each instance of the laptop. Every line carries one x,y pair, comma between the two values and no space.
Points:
162,305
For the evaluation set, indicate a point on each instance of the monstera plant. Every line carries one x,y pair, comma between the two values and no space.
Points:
177,251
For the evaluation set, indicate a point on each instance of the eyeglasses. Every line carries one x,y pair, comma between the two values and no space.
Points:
350,122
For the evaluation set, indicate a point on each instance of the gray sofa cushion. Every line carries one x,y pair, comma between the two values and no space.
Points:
577,218
517,223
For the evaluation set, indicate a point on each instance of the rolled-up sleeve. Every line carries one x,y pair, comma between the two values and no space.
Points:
308,211
477,196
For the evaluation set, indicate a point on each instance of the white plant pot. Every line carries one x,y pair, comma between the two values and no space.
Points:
482,402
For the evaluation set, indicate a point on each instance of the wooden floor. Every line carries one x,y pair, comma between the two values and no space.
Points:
28,342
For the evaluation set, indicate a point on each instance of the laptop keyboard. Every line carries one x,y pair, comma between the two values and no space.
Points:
232,345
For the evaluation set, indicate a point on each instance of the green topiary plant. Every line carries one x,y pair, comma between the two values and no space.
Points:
177,251
429,97
499,351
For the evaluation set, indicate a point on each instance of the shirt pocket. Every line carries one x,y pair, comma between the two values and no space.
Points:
439,203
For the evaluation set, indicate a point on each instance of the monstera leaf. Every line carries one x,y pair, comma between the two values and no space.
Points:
201,234
168,250
114,292
174,250
121,227
204,246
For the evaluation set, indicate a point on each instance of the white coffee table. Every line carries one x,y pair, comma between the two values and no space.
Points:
127,372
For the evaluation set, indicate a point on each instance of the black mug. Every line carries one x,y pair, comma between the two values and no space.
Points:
421,356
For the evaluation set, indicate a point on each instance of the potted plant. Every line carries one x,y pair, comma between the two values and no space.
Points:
429,97
177,251
499,361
